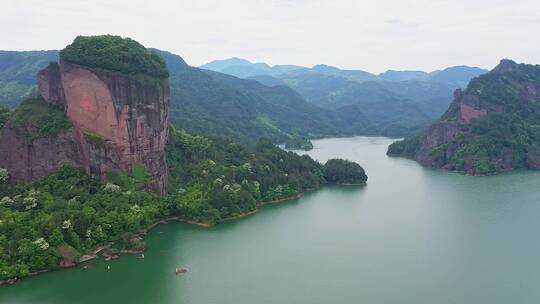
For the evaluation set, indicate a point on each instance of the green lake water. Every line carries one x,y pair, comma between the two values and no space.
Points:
412,235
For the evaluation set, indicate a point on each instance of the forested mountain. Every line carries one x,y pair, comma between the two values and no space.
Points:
18,73
490,127
207,102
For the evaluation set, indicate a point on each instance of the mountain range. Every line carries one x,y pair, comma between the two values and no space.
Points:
393,102
452,77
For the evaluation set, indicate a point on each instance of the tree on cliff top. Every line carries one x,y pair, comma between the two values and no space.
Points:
114,53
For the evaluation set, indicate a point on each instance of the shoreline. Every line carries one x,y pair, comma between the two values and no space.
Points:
94,253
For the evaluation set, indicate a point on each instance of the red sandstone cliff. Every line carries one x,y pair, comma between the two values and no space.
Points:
438,144
118,121
490,127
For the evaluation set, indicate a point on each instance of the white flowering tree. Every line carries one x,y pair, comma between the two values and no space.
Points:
4,175
41,243
111,188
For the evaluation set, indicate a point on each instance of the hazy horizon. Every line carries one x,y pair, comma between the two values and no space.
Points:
424,35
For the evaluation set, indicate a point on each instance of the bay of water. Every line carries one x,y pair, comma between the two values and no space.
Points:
412,235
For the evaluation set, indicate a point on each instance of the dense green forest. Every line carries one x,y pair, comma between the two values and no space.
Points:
211,179
114,53
36,118
341,171
406,148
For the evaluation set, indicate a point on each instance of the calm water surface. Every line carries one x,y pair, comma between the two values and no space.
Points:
412,235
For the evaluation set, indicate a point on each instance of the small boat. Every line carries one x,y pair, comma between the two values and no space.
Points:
181,270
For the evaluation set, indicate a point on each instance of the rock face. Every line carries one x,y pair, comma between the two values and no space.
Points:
119,122
50,84
27,161
438,145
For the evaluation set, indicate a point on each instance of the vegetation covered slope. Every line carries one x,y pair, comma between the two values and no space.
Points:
206,102
210,180
394,103
35,118
18,73
492,126
114,53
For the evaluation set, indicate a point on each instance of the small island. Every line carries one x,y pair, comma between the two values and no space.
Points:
344,172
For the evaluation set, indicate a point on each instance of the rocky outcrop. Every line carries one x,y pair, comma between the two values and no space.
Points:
119,122
436,147
31,160
439,145
50,84
437,137
533,159
490,127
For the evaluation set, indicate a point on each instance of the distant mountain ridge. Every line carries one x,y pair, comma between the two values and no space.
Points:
243,69
454,77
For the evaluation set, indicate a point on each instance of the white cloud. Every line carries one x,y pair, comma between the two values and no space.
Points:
369,35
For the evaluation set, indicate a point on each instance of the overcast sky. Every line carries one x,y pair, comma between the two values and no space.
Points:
373,35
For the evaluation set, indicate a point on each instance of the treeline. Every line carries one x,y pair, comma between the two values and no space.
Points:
71,213
341,171
114,53
406,147
218,178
